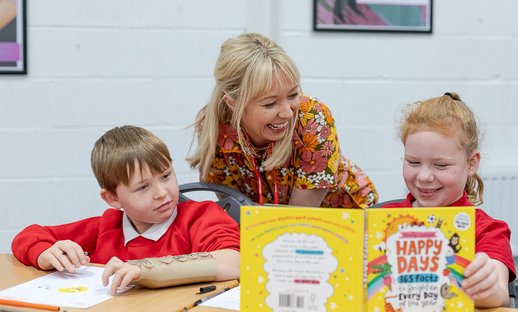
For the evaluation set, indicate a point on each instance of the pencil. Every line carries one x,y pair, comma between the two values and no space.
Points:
87,253
202,300
234,283
24,304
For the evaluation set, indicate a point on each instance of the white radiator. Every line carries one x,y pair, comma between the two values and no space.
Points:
501,200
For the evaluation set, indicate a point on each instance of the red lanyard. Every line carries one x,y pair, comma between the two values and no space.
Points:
260,186
258,176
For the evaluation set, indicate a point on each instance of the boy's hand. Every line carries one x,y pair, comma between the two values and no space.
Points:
481,278
123,274
63,255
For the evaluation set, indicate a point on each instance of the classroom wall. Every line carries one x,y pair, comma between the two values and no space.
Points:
93,65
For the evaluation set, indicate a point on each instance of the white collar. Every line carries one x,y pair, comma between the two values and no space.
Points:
154,233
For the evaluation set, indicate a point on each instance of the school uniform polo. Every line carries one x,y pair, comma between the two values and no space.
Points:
196,227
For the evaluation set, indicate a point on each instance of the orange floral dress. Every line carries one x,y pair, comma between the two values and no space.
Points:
316,163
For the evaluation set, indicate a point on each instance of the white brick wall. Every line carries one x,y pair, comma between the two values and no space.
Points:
97,64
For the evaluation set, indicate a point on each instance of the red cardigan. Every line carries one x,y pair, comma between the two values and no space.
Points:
491,236
198,226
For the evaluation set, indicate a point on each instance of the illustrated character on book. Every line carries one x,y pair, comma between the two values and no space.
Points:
446,291
454,243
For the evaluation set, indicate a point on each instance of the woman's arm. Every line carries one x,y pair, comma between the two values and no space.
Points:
308,198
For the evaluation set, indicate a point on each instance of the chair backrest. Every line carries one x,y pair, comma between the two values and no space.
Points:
229,199
380,204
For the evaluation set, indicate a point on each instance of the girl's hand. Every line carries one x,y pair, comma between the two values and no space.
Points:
63,255
484,283
123,274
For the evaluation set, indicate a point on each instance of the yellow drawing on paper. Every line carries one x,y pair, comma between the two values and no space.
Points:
73,289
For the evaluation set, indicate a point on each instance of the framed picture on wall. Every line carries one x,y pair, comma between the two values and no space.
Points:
13,37
373,15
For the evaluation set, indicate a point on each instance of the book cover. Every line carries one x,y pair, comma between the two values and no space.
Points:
301,259
416,258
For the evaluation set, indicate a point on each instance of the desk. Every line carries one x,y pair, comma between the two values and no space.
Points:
13,273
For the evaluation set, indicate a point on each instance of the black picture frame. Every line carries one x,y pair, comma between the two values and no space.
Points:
403,16
13,37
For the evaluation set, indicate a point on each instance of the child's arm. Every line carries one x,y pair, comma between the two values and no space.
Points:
486,281
218,265
64,254
35,239
228,264
123,274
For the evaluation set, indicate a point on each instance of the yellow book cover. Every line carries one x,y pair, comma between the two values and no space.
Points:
301,259
416,258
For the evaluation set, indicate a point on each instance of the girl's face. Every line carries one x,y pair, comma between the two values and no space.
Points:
265,118
436,168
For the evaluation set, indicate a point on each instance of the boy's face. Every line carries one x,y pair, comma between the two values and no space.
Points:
436,168
148,198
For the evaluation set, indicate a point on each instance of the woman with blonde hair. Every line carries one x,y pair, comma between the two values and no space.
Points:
259,135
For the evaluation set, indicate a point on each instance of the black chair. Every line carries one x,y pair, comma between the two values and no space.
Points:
378,205
513,290
230,199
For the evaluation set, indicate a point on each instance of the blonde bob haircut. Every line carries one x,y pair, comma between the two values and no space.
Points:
246,68
449,115
116,153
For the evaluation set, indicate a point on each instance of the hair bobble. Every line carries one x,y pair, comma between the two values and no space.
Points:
453,96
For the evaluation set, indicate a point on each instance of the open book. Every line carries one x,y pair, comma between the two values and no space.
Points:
323,259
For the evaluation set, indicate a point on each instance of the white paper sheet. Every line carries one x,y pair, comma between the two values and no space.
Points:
228,300
82,289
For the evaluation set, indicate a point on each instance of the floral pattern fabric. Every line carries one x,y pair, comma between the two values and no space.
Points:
316,163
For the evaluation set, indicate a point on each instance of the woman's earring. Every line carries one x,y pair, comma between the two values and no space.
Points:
229,102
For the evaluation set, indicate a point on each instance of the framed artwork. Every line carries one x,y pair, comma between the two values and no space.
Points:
373,15
13,37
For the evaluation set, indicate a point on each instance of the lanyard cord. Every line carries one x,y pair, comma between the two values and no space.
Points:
260,186
275,191
256,171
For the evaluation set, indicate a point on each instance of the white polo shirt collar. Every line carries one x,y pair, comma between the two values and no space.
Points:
153,233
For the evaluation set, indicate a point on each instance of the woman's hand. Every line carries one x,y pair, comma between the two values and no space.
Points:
486,281
123,274
63,255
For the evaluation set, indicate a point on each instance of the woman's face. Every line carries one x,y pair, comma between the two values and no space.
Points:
265,118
